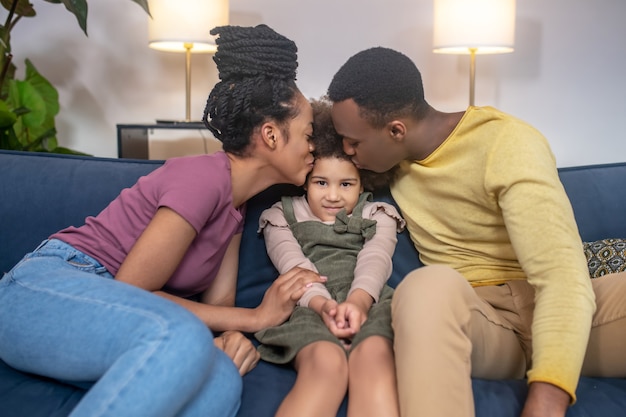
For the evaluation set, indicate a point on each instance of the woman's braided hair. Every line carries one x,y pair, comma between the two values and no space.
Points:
257,71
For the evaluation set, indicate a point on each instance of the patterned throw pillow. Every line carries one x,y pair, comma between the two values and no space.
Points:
605,256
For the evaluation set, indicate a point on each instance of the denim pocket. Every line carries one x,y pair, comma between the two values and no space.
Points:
72,257
78,261
85,263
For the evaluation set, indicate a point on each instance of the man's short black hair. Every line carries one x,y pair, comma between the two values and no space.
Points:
383,82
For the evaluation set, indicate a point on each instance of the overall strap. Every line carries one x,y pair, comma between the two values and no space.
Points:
363,198
290,216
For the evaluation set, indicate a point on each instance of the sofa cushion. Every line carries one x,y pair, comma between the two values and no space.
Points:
605,256
42,193
597,195
256,271
27,395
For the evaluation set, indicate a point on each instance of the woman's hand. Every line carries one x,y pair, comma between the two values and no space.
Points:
240,349
281,297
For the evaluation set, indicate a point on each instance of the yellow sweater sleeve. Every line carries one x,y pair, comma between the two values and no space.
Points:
489,203
538,217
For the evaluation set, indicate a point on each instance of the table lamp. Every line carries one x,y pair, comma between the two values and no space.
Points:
184,26
473,27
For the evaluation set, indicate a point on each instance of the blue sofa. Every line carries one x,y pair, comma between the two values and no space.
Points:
41,193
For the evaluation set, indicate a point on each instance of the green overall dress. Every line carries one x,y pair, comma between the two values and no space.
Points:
333,248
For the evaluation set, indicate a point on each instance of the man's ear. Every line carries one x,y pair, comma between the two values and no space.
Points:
397,130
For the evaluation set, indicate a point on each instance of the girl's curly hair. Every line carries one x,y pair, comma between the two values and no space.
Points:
329,144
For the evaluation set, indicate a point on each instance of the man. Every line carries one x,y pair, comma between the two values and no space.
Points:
485,208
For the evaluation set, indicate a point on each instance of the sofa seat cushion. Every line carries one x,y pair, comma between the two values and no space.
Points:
27,395
267,384
265,387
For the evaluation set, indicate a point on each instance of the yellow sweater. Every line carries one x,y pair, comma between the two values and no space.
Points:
489,203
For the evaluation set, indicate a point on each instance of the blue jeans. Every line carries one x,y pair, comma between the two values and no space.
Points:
62,315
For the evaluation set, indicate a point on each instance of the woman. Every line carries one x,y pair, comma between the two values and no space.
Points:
102,302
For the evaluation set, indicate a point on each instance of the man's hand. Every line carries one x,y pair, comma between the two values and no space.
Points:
545,400
239,349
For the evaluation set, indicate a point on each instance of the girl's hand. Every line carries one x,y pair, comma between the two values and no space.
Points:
350,316
281,297
240,349
343,320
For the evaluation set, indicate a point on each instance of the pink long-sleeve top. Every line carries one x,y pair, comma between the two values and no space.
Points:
373,266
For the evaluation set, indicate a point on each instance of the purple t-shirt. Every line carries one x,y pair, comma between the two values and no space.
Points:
196,187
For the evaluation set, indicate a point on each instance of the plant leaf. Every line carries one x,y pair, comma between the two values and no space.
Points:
35,102
20,133
7,117
8,140
78,8
24,8
61,149
144,5
44,142
46,90
31,99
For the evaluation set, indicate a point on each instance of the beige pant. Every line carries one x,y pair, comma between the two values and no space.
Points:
445,331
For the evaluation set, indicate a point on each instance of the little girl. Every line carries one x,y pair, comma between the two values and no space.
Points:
339,337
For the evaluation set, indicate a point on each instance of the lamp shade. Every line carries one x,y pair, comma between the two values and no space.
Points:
177,24
485,26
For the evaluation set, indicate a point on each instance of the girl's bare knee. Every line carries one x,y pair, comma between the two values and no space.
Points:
372,348
370,354
323,360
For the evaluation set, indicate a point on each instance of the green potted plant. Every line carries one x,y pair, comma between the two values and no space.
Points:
28,107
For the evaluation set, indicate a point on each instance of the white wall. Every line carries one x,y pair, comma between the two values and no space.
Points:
566,75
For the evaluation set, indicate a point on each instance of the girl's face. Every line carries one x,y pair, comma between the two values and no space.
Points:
333,184
295,159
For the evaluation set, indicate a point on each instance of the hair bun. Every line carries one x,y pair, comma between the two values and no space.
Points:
250,52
